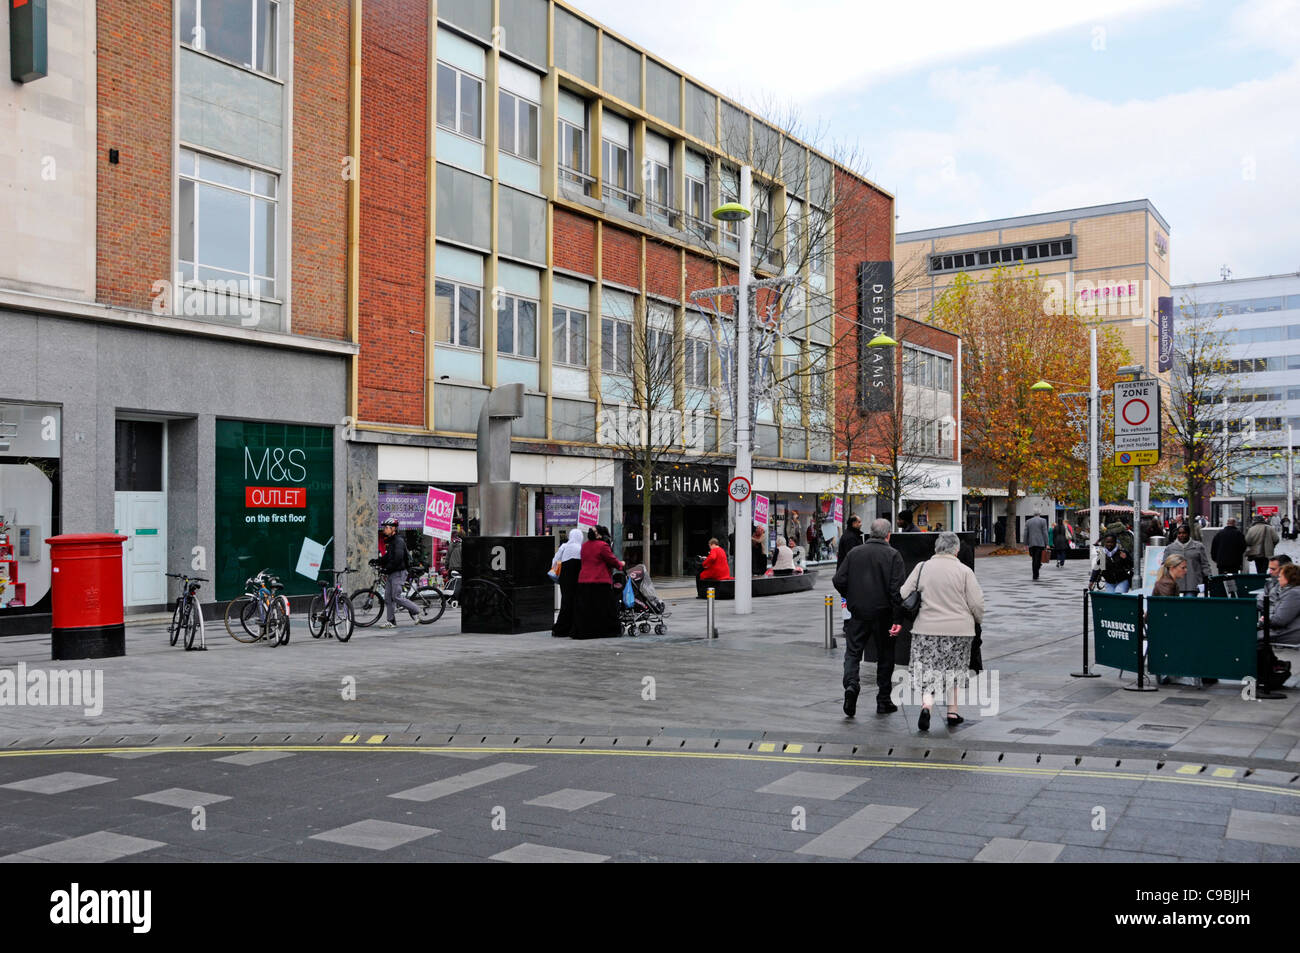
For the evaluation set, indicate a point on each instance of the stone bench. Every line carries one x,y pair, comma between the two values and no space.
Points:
762,585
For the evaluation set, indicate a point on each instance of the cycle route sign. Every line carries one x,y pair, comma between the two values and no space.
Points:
1137,423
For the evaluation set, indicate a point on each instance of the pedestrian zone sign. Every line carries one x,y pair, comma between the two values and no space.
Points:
1137,423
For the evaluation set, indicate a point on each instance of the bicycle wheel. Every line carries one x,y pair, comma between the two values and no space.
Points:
341,623
191,624
316,617
367,606
174,630
287,615
236,626
276,625
251,618
431,602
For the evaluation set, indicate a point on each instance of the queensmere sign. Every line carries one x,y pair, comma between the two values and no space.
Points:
875,316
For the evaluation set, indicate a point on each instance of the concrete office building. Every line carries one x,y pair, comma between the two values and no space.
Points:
535,207
1259,321
1111,261
173,310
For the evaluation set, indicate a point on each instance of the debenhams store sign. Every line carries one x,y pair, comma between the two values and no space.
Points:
678,486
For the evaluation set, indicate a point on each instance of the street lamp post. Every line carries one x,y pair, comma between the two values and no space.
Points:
1094,464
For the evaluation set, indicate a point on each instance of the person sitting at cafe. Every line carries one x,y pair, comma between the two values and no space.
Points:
1169,581
1284,611
1275,564
715,563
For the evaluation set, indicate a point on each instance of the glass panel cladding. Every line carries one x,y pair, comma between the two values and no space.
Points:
575,45
622,71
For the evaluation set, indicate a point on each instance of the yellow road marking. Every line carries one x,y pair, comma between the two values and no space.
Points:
767,746
376,739
1191,769
1225,773
1064,771
349,739
793,749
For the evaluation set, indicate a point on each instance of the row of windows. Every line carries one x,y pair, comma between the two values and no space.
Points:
1244,306
924,369
1002,254
1286,332
929,438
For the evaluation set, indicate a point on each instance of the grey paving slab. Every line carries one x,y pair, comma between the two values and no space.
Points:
570,799
255,757
462,782
813,784
57,783
181,797
857,832
97,848
1010,850
1279,829
527,853
375,834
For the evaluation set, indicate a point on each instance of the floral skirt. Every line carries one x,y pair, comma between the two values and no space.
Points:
939,661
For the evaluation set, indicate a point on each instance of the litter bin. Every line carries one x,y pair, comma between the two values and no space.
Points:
86,592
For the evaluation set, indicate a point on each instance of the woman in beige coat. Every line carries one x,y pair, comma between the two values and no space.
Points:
951,603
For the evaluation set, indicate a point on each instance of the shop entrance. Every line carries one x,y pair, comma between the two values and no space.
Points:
661,529
140,509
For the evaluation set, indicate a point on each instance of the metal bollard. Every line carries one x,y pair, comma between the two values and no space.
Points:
830,622
710,632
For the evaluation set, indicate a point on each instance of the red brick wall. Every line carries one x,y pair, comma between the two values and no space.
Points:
320,194
394,63
621,257
700,273
663,271
575,242
134,105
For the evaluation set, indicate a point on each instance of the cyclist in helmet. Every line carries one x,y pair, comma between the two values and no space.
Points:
393,563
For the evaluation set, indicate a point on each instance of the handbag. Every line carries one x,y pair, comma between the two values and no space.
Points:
912,604
1045,556
977,651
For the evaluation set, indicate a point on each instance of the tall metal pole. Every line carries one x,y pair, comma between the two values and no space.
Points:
1094,464
744,461
1290,475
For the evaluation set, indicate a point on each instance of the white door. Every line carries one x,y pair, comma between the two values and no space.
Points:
142,519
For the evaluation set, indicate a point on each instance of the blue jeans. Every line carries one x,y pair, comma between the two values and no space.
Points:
1118,586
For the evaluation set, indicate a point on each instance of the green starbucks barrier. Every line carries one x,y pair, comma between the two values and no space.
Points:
1242,584
1117,630
1209,638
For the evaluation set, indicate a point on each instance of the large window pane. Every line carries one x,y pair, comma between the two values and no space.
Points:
471,106
530,130
186,225
506,123
189,22
265,52
467,331
578,338
226,173
263,238
506,326
625,348
223,229
606,344
526,326
443,308
228,29
559,337
446,96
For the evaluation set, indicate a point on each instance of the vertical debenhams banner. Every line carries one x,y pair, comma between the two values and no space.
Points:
274,488
875,316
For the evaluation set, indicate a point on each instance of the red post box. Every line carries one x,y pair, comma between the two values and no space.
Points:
86,592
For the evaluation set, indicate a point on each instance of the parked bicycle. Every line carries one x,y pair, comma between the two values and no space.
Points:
368,604
331,611
261,614
187,617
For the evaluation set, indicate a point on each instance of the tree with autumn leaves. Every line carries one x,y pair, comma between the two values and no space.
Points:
1013,335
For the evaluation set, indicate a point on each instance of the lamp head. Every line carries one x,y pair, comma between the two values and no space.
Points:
731,212
882,340
1042,386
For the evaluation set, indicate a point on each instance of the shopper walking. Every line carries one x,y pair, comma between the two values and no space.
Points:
1060,538
952,604
394,563
1228,547
569,557
596,610
1198,560
1036,540
1117,565
852,537
869,577
1260,540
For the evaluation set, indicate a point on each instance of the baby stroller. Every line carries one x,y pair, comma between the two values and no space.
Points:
639,606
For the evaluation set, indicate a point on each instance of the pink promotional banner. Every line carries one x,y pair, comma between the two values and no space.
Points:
438,508
589,508
760,509
839,510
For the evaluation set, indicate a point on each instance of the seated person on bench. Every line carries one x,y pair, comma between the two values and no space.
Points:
1284,610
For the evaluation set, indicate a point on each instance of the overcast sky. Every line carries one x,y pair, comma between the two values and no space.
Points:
970,111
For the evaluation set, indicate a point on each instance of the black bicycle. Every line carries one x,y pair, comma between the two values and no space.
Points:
187,617
331,611
368,604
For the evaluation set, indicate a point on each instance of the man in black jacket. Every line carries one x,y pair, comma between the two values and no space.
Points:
1228,548
869,577
851,538
394,564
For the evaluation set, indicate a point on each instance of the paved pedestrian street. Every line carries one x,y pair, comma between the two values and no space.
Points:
420,743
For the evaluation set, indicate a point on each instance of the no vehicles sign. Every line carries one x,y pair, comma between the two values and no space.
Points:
1137,423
